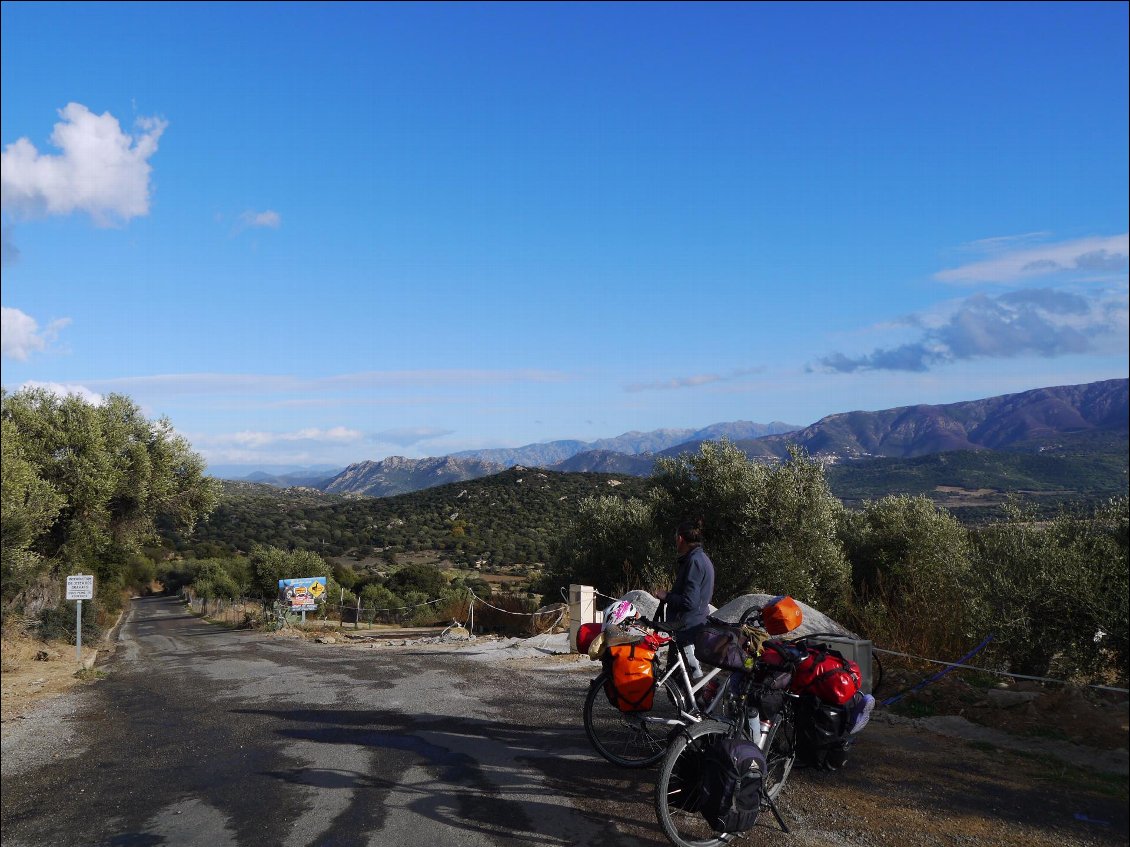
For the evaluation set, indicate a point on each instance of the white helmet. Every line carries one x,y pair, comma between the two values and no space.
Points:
617,613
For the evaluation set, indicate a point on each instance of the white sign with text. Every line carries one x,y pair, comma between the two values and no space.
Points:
80,587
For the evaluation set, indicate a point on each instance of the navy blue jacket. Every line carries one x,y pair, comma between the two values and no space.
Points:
689,598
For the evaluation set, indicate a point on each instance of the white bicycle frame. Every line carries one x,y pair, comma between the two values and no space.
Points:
678,668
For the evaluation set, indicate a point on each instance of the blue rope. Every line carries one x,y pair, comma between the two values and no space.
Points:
939,674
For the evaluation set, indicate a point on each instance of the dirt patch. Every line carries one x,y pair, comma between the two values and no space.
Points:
34,671
1056,712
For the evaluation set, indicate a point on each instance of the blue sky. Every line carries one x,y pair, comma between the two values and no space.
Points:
317,234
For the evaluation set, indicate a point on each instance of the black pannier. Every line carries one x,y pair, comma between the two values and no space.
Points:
733,774
823,733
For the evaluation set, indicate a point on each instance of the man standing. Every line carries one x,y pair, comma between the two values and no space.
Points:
688,601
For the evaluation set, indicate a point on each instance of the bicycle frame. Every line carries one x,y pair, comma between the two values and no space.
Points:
677,667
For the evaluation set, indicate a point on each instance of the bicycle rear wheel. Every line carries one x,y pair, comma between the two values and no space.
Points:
630,739
678,797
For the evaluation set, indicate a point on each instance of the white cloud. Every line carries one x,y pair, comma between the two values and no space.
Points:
690,381
1101,254
20,335
264,384
269,218
101,170
1042,322
407,436
251,439
61,390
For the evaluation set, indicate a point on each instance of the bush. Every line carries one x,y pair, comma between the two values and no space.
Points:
1052,588
58,623
912,576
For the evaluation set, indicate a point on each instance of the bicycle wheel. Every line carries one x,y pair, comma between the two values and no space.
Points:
780,753
678,796
630,739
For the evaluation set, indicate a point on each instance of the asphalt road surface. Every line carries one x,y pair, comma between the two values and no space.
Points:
204,736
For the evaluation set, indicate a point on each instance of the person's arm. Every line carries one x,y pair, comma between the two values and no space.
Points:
692,596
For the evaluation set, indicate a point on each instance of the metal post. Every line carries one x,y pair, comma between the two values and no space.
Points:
78,632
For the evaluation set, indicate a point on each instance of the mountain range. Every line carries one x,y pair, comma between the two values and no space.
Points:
1007,422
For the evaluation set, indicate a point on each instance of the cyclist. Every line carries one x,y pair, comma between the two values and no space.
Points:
688,600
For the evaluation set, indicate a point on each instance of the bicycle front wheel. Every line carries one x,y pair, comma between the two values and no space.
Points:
630,739
678,794
780,753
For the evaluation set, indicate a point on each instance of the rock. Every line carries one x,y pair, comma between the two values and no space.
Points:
456,633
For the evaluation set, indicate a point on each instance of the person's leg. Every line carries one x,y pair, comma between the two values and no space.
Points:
693,665
685,641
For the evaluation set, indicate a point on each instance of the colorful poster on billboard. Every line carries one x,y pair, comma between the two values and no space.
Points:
302,595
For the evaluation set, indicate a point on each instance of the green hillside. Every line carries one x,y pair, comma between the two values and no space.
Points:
1073,470
513,516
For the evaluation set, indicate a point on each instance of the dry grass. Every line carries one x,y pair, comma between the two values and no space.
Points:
34,670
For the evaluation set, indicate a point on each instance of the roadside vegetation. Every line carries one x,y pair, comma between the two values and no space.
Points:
100,489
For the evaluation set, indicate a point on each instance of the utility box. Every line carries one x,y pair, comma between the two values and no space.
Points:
582,609
856,649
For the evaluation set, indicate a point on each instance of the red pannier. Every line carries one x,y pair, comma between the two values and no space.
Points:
828,675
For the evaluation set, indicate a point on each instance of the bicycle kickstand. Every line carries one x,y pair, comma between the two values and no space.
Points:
777,814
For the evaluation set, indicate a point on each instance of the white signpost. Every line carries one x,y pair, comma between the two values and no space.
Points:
79,587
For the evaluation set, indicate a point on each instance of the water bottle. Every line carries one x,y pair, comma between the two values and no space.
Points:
759,730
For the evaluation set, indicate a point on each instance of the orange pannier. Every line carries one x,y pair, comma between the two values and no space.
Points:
631,685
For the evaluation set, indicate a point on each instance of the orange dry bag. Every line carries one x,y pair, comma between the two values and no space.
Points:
781,615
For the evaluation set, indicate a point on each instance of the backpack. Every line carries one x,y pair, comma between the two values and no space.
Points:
828,675
733,770
631,683
823,732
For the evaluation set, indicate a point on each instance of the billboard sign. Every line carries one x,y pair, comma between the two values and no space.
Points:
302,595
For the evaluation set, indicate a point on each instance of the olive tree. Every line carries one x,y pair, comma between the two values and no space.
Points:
912,573
768,528
612,544
1058,591
270,564
88,482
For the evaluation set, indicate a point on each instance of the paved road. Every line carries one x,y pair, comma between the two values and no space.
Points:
204,736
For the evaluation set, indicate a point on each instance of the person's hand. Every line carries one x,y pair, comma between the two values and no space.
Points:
661,594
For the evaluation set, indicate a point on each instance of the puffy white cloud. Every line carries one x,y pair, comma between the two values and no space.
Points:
101,170
61,390
1009,264
20,335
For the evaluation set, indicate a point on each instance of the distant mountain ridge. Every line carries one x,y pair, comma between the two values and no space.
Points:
398,475
630,443
994,423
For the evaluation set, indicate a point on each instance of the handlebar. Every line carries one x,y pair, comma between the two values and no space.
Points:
659,626
751,612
